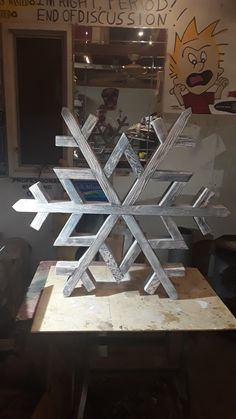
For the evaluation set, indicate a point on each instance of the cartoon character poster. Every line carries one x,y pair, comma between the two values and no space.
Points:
200,66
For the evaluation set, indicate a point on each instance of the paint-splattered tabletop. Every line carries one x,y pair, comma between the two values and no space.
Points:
125,307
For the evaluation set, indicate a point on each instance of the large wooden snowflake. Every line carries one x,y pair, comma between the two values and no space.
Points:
114,208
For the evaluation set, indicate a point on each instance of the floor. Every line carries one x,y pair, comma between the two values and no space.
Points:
210,360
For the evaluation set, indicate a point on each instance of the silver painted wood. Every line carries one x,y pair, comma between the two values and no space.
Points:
166,142
89,255
157,158
160,129
39,193
89,156
67,207
133,161
116,154
80,138
152,283
80,240
65,239
167,244
62,239
75,173
77,206
175,242
89,125
65,141
130,257
72,192
161,132
203,197
174,269
39,220
173,230
66,267
86,279
150,255
69,141
107,256
171,193
172,175
201,200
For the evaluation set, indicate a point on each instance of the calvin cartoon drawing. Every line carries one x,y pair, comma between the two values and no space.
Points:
195,68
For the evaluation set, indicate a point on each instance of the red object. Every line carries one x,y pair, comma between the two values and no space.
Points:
232,94
199,103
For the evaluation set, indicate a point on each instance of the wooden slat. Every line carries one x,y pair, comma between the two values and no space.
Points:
86,279
152,283
133,161
116,155
130,257
96,169
79,240
121,49
174,269
65,141
172,228
71,191
107,256
39,193
171,193
80,138
157,158
172,175
160,129
203,197
39,220
150,255
69,141
134,250
66,267
161,132
30,205
175,242
201,200
203,225
74,173
89,156
62,239
89,125
89,255
167,244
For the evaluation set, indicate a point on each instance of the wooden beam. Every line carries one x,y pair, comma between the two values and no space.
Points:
157,50
67,207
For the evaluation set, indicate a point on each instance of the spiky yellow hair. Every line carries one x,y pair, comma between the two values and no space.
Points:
190,34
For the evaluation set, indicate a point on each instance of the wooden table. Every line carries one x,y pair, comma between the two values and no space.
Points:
124,309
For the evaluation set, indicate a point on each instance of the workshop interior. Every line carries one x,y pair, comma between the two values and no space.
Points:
117,209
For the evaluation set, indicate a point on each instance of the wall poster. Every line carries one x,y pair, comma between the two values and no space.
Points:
201,52
201,60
